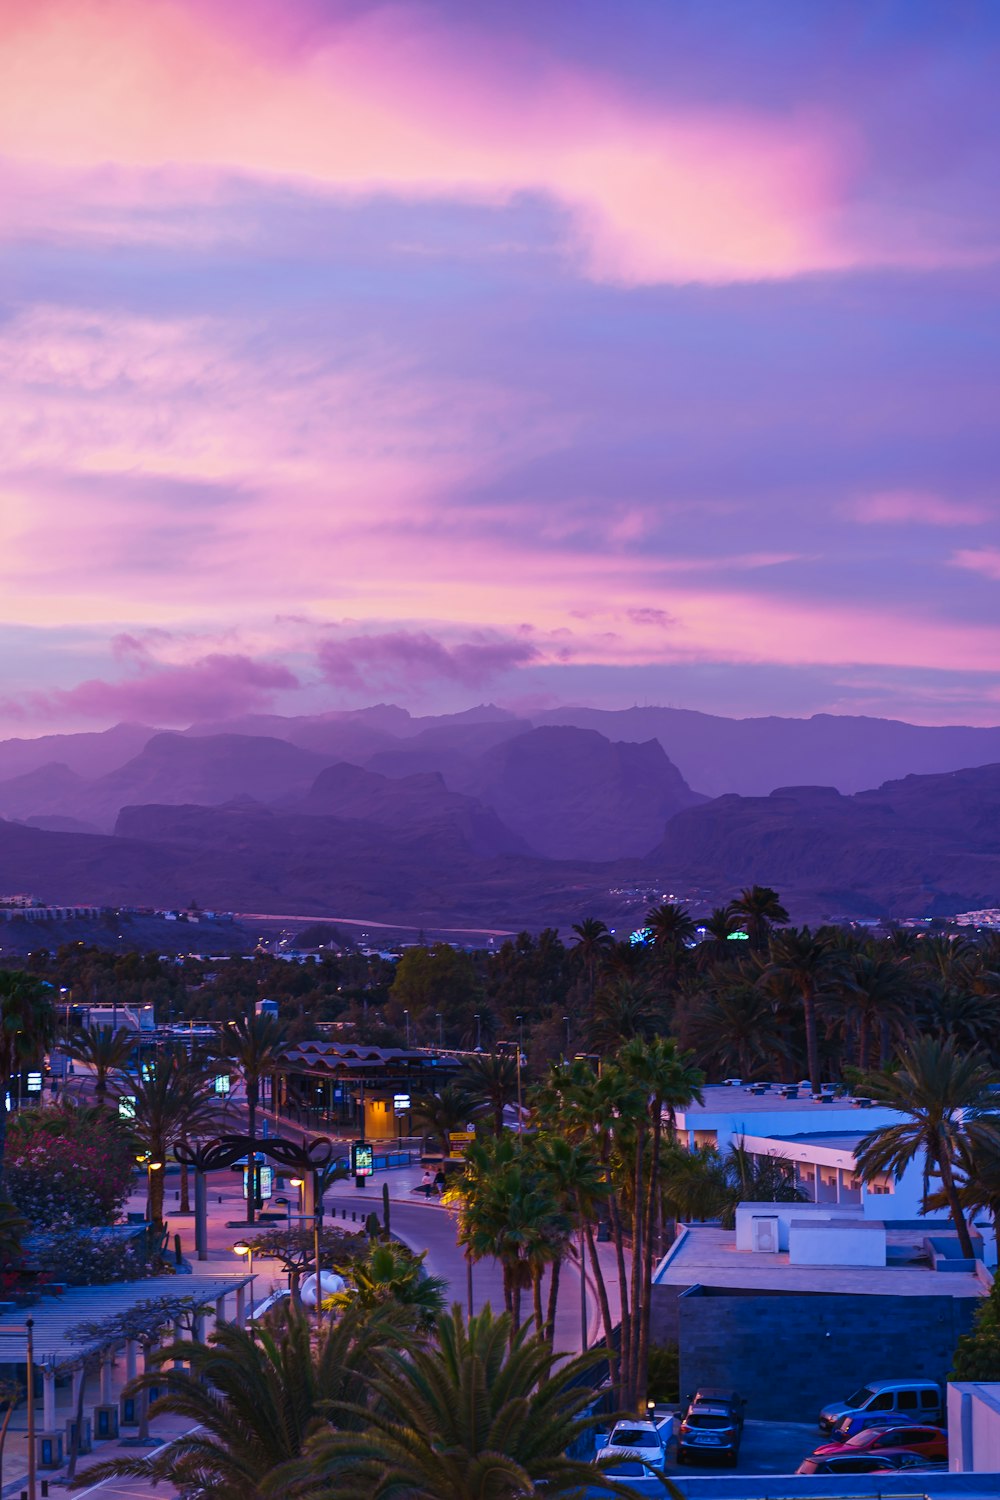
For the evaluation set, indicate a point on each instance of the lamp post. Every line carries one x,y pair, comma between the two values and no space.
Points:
566,1022
479,1032
29,1324
241,1248
520,1051
406,1014
440,1021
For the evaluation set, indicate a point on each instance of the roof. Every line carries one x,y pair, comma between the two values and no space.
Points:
53,1316
707,1256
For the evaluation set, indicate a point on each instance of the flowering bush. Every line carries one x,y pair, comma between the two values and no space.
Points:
66,1170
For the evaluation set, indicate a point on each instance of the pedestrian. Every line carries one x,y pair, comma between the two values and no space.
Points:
439,1180
427,1183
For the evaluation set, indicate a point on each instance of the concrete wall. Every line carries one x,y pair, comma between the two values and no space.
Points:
842,1243
790,1354
974,1428
784,1213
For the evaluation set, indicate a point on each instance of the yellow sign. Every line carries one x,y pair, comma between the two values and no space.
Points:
460,1137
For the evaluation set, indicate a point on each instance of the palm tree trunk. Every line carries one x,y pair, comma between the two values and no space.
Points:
812,1040
958,1217
536,1298
550,1315
642,1363
638,1221
508,1295
184,1207
615,1220
864,1042
156,1186
252,1152
614,1359
515,1304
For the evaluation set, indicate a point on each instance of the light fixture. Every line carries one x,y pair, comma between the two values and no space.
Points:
240,1248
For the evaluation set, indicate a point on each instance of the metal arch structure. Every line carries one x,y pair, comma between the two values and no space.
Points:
313,1159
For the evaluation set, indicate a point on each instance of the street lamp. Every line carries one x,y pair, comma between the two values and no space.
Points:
479,1031
242,1248
440,1021
406,1014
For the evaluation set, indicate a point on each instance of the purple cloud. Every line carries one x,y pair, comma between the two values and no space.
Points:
403,659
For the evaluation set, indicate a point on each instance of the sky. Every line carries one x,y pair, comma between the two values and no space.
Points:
591,351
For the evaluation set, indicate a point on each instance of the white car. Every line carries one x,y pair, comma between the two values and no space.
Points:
636,1441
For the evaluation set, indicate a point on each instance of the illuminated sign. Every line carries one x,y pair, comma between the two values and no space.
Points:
34,1083
222,1083
265,1181
737,937
401,1103
362,1159
126,1107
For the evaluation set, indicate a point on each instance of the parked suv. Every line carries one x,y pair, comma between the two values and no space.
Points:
883,1402
711,1427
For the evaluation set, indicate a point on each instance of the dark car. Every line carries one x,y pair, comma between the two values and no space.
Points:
711,1427
930,1442
849,1463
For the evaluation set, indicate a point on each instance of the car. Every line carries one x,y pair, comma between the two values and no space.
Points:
929,1442
636,1441
881,1401
848,1463
711,1427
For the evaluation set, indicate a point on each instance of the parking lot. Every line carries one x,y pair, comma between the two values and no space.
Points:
767,1448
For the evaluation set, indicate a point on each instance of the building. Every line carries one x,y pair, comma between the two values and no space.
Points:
349,1089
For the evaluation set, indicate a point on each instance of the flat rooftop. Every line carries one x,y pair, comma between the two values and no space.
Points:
837,1140
707,1255
720,1098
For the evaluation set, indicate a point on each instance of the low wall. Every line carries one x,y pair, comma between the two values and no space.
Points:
791,1353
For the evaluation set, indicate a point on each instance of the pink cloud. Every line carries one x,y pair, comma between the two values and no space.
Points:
984,560
216,686
401,660
905,507
385,103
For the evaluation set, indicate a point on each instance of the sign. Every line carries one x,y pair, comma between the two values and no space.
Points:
401,1103
126,1107
34,1083
222,1083
362,1159
461,1137
265,1181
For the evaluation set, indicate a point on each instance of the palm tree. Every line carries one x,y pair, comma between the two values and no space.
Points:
761,911
592,941
450,1109
480,1413
874,995
171,1102
102,1050
578,1185
804,961
27,1026
753,1179
249,1400
391,1275
490,1082
622,1009
946,1098
672,928
733,1029
254,1044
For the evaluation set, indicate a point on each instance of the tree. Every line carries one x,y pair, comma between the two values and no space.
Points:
27,1026
449,1109
295,1248
490,1082
622,1009
874,995
171,1103
672,928
732,1029
69,1166
251,1399
592,941
480,1413
805,962
102,1050
254,1044
761,911
754,1179
977,1354
946,1099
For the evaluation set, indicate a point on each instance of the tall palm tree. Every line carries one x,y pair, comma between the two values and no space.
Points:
254,1044
671,928
761,911
578,1184
27,1026
804,960
250,1398
874,995
490,1080
732,1029
172,1101
480,1413
103,1051
592,941
946,1098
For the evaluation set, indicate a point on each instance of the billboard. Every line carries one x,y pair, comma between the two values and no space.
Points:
362,1159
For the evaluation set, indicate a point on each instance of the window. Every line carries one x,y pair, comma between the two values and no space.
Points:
929,1400
705,1138
907,1401
882,1402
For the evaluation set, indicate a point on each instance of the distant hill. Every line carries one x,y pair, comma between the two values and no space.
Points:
753,756
921,846
88,754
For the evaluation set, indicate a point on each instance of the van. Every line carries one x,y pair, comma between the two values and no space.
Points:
885,1401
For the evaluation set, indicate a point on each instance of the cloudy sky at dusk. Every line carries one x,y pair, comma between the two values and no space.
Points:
544,353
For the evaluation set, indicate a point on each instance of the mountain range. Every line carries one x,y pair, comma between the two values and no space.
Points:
487,816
